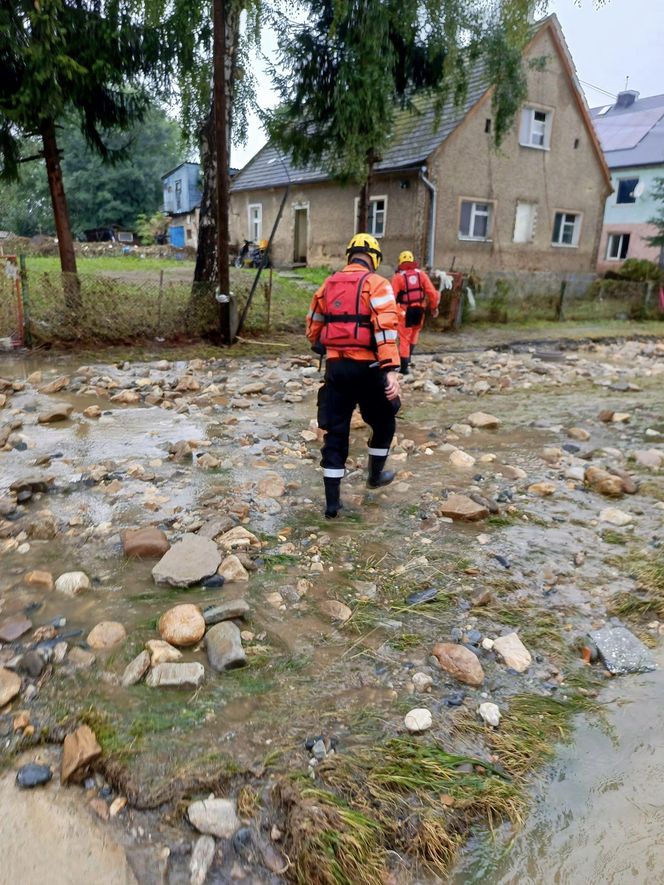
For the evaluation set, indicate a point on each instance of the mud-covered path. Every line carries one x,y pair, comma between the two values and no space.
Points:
207,446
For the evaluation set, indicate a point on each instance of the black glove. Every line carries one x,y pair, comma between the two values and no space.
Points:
318,348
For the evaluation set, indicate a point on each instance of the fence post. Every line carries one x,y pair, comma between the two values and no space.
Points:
25,297
161,292
646,301
561,299
269,299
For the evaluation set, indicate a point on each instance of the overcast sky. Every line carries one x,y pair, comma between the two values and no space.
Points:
619,39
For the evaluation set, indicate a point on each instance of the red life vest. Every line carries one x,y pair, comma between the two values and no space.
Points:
345,323
414,293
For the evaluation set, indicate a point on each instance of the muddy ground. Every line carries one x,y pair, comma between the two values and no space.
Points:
205,446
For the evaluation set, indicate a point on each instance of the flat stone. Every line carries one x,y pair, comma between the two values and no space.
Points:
653,459
542,489
483,421
238,537
621,651
182,625
79,749
136,669
462,508
614,516
459,662
72,583
33,775
271,486
225,611
162,652
80,658
39,579
10,685
144,543
201,859
31,664
53,415
418,720
223,644
338,611
231,569
188,675
106,634
33,484
214,817
461,460
578,433
188,562
12,628
252,387
56,385
513,652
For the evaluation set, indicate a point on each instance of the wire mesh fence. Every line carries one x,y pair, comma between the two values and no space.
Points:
125,306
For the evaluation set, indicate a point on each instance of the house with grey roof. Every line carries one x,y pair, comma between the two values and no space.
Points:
443,190
631,132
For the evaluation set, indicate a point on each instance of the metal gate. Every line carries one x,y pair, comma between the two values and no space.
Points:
12,326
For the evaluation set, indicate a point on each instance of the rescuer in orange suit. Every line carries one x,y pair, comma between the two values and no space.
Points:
353,319
415,293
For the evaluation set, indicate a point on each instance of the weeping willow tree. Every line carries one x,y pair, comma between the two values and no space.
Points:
346,71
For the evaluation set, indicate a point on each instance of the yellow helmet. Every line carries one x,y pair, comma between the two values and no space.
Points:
406,256
365,243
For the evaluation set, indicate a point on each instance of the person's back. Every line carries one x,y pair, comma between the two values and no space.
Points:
353,317
414,293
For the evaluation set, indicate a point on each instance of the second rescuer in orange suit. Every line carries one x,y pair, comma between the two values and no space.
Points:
415,293
353,319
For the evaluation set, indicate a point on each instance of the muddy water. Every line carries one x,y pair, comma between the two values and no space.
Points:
598,813
307,675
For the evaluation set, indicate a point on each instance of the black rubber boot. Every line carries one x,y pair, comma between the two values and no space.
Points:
404,365
377,476
332,497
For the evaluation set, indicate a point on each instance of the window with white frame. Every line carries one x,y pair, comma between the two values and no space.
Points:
524,222
475,219
255,221
617,247
566,229
376,216
535,128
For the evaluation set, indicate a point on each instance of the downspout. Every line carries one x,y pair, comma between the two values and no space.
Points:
431,250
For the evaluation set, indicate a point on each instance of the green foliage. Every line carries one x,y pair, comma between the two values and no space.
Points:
657,193
150,229
100,192
640,269
354,66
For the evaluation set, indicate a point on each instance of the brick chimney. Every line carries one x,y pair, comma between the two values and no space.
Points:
626,99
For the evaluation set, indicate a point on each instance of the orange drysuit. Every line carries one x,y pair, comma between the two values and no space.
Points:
415,293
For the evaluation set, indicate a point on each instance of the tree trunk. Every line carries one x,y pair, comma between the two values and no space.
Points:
206,270
61,217
365,193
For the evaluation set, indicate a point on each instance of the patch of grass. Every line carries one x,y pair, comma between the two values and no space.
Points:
502,520
406,641
542,630
647,599
248,801
611,536
316,275
108,737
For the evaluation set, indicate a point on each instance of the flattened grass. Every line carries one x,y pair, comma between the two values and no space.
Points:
647,600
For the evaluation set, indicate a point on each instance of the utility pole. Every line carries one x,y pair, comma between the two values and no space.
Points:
220,64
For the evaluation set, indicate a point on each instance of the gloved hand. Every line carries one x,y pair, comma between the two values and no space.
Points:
318,348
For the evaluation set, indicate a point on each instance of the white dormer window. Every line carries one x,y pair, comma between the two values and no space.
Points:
535,128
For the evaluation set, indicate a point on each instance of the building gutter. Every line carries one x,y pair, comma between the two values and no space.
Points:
431,248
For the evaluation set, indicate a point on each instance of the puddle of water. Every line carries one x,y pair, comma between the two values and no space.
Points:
598,818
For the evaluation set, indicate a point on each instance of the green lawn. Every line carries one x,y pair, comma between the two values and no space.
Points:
105,263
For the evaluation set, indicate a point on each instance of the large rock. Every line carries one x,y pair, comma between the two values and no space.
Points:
459,662
604,482
33,484
10,685
225,611
188,562
214,817
621,651
53,415
224,647
462,460
162,652
653,459
542,489
78,751
338,611
271,486
12,628
182,625
231,569
56,385
72,583
146,543
513,652
615,516
483,421
238,537
106,634
463,508
418,720
136,669
189,675
202,856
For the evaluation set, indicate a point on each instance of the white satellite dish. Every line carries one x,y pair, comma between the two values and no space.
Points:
639,189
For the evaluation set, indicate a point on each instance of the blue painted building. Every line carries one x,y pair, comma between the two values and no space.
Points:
182,200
